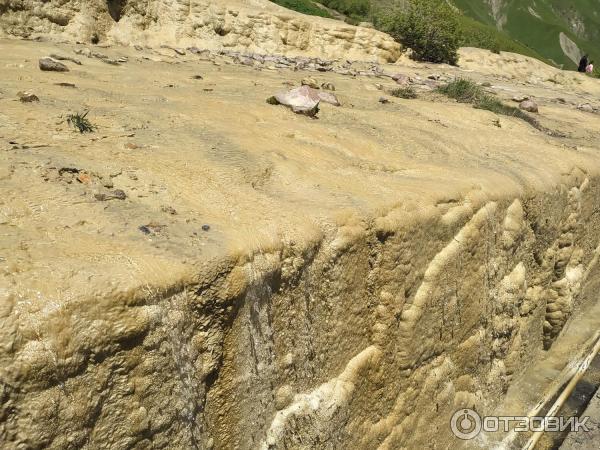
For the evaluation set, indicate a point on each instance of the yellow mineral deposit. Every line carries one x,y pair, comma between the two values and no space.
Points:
204,270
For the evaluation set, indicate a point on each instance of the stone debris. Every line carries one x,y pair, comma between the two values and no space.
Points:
383,100
586,107
328,86
520,98
401,79
69,85
310,82
65,58
205,227
152,228
117,194
49,64
27,97
529,106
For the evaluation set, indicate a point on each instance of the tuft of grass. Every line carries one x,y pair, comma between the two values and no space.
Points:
463,90
407,92
466,91
81,122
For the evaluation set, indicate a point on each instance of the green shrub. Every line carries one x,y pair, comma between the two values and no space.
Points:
407,92
81,122
356,10
303,6
429,27
463,90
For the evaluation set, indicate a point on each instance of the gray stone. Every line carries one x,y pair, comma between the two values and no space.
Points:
51,65
529,106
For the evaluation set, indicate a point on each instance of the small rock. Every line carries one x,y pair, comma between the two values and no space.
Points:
283,397
198,77
27,97
65,58
205,227
583,107
520,98
152,228
401,79
117,194
310,82
383,100
51,65
169,210
328,86
84,178
486,84
529,106
131,146
69,85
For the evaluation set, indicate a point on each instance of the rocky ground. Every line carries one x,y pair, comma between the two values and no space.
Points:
209,270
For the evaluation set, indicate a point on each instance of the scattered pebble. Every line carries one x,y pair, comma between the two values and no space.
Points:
205,227
69,85
586,107
169,210
27,97
117,194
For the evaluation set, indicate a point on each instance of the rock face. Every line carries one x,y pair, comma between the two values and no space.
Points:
253,26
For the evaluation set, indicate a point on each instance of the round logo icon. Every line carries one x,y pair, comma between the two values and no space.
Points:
465,424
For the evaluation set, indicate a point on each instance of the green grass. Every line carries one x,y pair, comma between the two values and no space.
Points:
407,92
466,91
81,123
303,6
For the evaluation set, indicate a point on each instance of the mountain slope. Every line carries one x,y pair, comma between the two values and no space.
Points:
558,30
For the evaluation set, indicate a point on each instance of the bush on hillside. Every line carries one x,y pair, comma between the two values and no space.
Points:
303,6
429,27
354,9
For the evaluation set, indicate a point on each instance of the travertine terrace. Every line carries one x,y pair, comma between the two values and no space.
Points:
271,280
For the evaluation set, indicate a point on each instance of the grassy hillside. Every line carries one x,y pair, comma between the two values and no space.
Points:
529,27
539,24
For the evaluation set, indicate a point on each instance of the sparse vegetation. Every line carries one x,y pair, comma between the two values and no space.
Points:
407,92
466,91
81,122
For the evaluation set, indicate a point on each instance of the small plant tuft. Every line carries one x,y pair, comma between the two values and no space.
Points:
81,122
407,92
466,91
462,90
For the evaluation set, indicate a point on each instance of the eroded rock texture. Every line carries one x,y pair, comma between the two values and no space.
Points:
373,331
207,270
254,26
